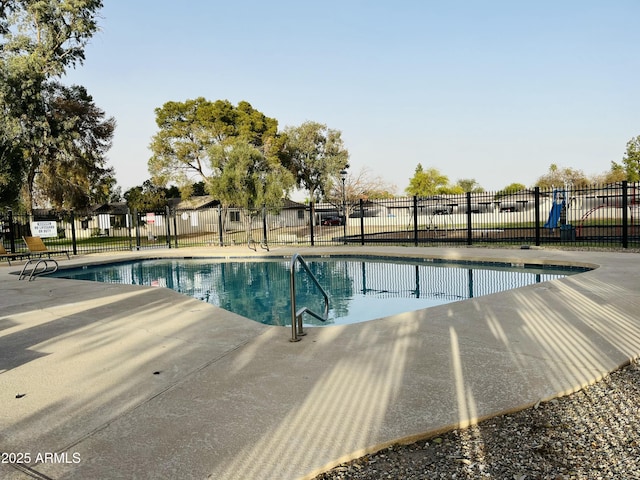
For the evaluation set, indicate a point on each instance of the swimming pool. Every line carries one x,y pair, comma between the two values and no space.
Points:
360,289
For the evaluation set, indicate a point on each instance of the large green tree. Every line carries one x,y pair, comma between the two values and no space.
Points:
11,168
315,154
187,132
426,183
45,37
511,189
40,40
246,177
559,177
469,185
75,175
149,197
616,174
630,162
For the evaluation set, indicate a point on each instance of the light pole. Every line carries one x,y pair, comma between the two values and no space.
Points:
343,176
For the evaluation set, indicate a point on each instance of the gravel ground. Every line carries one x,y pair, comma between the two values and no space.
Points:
591,434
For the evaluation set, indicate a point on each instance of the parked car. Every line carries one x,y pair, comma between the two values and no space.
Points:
332,221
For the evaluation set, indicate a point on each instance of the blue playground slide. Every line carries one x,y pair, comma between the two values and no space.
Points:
556,209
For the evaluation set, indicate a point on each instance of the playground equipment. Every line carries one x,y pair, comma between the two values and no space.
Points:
559,203
602,213
610,205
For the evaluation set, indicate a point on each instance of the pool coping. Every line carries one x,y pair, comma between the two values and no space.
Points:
241,401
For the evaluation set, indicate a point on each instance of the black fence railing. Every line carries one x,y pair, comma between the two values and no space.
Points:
597,216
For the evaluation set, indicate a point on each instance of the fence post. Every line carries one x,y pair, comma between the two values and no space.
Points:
12,239
469,230
137,219
175,228
167,212
361,222
625,216
12,232
311,219
264,223
129,225
73,233
536,202
220,225
415,220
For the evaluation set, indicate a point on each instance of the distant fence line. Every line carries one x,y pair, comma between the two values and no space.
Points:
598,216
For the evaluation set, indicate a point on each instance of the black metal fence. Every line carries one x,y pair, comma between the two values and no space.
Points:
597,216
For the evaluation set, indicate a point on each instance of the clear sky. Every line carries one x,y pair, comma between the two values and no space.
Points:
491,90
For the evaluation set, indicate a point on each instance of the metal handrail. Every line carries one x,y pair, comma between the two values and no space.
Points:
296,316
45,271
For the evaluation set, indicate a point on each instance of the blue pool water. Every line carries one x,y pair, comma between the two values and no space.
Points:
359,289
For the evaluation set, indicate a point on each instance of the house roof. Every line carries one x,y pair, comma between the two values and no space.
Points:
207,201
194,203
290,204
118,208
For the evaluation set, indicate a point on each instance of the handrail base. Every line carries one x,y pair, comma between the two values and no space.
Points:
296,328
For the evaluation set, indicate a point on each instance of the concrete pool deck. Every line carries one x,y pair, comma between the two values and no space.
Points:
116,381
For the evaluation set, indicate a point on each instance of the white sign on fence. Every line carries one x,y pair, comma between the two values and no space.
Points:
44,229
